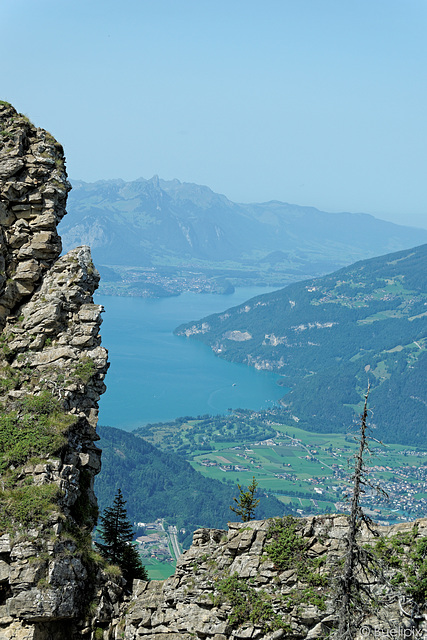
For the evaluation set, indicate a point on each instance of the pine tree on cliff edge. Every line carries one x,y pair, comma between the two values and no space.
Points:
246,502
117,548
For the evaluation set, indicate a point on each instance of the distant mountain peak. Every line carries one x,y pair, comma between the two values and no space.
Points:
147,222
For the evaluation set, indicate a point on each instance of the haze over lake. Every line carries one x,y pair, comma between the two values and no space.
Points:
155,376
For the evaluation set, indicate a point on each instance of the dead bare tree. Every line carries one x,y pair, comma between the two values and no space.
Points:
369,580
349,586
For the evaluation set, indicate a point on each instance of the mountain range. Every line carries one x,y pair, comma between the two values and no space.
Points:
157,237
330,337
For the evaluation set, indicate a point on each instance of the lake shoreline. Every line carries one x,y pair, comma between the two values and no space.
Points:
155,376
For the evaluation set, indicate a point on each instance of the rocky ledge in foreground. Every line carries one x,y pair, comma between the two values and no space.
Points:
52,369
281,579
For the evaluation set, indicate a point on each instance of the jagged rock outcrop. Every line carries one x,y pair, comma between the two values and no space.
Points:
262,579
52,371
254,582
33,195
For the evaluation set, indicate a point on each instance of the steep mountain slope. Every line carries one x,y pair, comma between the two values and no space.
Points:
156,225
329,336
164,485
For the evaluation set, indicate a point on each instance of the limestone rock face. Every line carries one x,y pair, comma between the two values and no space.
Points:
33,193
226,586
230,584
52,370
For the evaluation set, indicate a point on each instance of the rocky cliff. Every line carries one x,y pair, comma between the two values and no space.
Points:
281,579
263,579
52,369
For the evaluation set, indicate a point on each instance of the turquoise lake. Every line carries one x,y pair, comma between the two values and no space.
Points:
155,376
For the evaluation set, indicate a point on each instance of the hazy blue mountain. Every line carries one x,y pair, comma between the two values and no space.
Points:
157,484
171,225
330,336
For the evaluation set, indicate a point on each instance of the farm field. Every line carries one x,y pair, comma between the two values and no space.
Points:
158,570
308,470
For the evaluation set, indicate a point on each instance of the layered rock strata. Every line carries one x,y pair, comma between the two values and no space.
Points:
227,585
52,371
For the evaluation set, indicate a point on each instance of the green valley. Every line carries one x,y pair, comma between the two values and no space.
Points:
189,478
160,484
307,471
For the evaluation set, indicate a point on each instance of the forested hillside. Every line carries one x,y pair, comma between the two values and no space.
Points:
329,337
164,485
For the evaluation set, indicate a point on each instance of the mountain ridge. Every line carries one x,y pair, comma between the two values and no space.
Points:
158,229
330,336
52,368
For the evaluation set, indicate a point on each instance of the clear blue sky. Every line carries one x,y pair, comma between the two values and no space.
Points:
315,102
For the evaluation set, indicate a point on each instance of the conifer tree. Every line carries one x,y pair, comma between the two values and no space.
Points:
246,503
117,548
